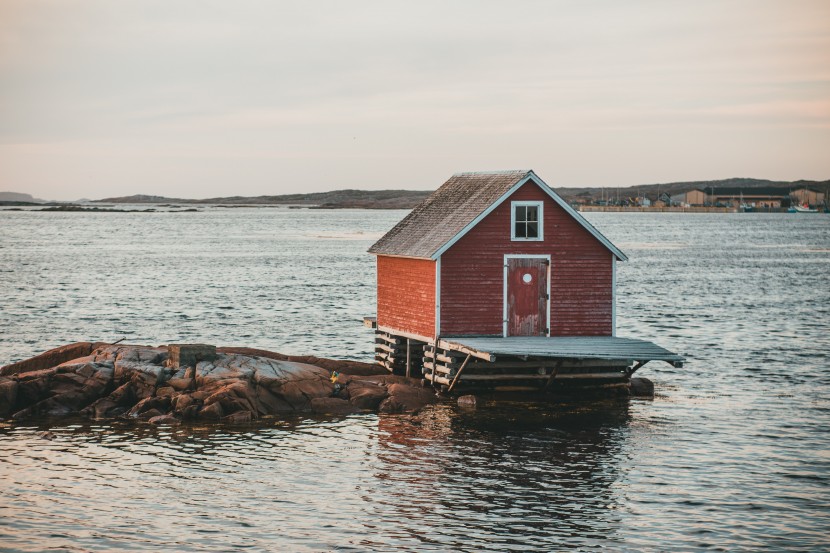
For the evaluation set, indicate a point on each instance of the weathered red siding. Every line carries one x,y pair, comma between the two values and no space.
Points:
406,294
472,274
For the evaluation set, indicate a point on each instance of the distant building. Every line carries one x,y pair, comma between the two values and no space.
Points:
808,195
765,196
662,199
694,197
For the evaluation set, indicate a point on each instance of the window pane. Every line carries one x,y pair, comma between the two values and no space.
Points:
532,213
521,213
520,230
532,230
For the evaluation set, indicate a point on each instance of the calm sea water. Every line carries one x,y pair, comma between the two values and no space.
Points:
732,454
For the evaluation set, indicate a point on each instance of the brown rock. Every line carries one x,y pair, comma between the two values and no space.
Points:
124,394
180,384
182,401
189,412
49,359
332,406
160,404
91,377
142,355
151,414
211,412
185,406
467,402
116,403
103,408
238,417
406,399
344,367
49,406
65,382
234,395
642,387
34,386
367,397
62,390
8,395
391,405
164,419
225,367
165,391
145,377
293,383
269,404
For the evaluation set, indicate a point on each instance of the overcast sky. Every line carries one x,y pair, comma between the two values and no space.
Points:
198,99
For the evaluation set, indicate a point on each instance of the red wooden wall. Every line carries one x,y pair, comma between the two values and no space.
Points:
472,274
406,294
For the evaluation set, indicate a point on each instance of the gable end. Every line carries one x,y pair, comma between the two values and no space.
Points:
533,177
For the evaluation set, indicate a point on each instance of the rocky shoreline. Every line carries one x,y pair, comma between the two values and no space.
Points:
170,384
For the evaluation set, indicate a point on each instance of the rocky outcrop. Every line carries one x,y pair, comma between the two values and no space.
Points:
339,365
50,358
233,385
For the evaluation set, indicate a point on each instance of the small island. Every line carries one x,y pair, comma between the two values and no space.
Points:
174,383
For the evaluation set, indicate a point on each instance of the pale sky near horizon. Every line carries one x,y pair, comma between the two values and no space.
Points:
198,99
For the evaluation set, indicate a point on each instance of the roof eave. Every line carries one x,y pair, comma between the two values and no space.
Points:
378,254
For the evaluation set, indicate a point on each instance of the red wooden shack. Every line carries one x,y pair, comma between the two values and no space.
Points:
500,259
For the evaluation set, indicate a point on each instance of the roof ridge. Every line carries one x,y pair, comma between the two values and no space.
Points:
497,172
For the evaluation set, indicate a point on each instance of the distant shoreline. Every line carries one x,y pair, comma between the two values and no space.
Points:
74,208
697,209
592,197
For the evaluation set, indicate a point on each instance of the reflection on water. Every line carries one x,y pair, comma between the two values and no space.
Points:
732,453
510,477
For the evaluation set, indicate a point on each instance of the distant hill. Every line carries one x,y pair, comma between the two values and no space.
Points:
371,199
407,199
19,197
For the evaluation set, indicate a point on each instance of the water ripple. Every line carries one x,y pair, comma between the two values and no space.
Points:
732,453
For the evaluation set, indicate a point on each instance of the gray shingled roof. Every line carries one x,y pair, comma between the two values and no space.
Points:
445,213
454,206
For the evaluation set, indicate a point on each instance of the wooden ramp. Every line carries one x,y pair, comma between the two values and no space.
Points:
536,362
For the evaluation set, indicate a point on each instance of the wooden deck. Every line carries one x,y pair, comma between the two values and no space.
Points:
562,347
527,362
535,363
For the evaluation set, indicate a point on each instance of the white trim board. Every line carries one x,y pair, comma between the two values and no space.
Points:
531,176
613,296
504,287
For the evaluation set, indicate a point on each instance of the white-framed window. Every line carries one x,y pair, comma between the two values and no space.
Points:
526,221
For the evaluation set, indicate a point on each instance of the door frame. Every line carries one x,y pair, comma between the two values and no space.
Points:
504,300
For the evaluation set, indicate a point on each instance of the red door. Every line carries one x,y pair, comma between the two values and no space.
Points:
527,296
